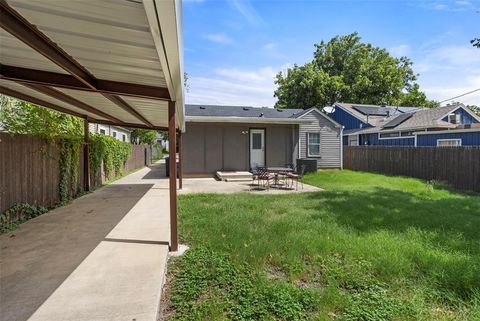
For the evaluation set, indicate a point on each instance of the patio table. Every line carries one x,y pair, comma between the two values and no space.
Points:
277,170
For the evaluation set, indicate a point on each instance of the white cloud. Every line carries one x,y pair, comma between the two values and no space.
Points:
448,71
449,58
446,92
234,86
400,50
245,8
218,38
270,46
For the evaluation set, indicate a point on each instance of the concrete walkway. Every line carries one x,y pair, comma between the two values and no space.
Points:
102,257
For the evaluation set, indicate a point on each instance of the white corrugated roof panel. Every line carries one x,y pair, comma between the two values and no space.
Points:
31,92
100,102
154,110
13,52
93,24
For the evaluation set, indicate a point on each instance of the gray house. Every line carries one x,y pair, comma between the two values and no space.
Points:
237,138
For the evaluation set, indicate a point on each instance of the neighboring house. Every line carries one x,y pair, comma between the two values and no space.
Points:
452,125
120,133
241,138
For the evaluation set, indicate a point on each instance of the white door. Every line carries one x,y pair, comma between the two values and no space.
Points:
257,147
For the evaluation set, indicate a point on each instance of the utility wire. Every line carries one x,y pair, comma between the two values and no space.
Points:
459,95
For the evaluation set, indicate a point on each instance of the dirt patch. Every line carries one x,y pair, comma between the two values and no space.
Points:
166,310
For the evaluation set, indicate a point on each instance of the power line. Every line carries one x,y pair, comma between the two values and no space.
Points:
460,95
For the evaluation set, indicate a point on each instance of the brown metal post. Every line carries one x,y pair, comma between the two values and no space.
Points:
180,160
86,156
172,152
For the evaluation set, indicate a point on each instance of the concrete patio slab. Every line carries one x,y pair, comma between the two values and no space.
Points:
211,185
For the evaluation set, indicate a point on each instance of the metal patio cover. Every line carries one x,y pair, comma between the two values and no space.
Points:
109,61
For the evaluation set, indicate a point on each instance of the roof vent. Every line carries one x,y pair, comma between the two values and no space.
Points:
201,107
261,115
245,108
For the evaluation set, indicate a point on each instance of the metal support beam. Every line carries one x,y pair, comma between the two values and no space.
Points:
86,155
180,161
129,109
110,87
172,175
54,93
37,101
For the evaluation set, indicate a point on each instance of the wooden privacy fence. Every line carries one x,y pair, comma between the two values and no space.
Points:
30,172
457,166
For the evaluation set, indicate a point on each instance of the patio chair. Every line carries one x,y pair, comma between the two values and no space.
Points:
264,178
297,175
282,178
256,171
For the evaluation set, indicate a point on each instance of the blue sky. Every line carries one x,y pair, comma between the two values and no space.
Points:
234,48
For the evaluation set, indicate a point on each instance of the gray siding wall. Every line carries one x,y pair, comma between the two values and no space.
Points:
210,147
330,140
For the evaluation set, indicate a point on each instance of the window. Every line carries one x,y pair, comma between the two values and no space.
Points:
313,142
454,119
353,140
102,131
388,135
124,138
449,142
407,134
114,134
256,141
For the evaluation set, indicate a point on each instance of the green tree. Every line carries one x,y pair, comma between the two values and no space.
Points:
144,136
19,117
414,97
346,69
475,42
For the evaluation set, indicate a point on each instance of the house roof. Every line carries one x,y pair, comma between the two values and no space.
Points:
424,118
374,114
239,114
240,111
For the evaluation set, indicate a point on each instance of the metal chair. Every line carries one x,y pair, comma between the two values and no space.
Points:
265,177
297,175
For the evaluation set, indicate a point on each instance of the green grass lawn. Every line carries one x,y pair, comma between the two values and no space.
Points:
369,247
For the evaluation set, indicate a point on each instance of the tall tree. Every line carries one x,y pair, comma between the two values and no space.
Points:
346,69
475,42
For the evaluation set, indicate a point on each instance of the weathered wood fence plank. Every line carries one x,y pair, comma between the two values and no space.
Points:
30,173
457,166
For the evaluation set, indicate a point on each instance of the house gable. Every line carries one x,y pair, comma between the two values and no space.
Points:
466,117
348,120
330,139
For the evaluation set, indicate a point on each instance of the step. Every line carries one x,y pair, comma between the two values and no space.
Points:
229,175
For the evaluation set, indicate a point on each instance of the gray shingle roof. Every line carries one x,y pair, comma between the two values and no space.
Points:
240,111
425,118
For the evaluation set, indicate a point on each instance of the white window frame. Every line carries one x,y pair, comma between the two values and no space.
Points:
457,119
396,137
102,131
319,145
357,140
458,140
114,134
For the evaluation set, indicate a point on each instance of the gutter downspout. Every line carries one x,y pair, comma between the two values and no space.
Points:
341,147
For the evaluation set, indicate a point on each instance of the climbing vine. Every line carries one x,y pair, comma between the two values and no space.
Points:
109,151
68,163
